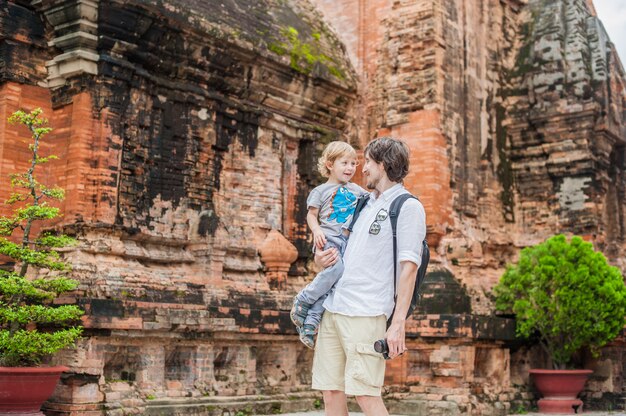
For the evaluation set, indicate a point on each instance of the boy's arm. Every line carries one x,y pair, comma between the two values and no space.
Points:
319,239
311,218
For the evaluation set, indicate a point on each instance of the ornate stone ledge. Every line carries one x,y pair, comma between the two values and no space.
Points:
75,24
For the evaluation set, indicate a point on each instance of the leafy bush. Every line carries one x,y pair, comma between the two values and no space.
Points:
567,294
31,326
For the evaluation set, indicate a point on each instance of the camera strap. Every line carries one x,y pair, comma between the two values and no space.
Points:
360,203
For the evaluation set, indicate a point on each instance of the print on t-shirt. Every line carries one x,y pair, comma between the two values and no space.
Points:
342,205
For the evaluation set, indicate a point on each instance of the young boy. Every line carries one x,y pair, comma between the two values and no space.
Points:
329,207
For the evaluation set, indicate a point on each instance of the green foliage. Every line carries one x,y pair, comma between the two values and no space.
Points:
304,56
12,285
567,294
27,347
51,240
32,327
521,410
65,314
36,257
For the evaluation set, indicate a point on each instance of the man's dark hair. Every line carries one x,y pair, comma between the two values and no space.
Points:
393,154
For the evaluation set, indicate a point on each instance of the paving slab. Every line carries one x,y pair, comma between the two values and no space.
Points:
321,413
613,413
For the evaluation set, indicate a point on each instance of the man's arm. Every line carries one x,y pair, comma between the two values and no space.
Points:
396,332
411,231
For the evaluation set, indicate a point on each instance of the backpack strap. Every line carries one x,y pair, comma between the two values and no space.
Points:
360,203
394,212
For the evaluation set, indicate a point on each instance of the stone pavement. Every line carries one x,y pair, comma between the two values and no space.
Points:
321,413
613,413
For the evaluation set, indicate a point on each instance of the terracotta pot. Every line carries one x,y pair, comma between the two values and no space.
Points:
24,389
560,389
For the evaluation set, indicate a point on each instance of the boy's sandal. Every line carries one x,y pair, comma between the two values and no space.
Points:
307,333
298,312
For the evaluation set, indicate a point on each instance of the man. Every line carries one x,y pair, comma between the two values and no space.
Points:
345,362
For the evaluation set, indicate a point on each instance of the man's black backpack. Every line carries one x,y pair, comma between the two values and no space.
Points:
394,211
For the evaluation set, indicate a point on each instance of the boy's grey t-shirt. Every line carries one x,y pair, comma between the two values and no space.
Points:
336,202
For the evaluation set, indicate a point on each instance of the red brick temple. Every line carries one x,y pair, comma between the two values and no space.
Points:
188,134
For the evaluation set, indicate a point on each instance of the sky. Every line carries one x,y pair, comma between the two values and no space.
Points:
612,13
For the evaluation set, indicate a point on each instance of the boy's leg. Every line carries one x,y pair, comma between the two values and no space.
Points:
325,279
311,322
313,292
314,316
322,283
320,286
299,311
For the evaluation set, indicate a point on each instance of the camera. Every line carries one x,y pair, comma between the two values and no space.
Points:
382,347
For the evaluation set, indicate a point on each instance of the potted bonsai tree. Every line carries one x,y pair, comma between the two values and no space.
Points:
32,325
569,297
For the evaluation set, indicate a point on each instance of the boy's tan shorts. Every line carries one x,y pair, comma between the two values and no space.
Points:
344,357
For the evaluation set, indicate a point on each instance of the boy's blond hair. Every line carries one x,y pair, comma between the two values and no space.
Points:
332,152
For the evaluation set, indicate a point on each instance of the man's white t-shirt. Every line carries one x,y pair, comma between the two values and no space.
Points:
366,287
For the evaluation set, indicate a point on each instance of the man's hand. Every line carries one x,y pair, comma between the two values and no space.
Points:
326,258
319,239
396,339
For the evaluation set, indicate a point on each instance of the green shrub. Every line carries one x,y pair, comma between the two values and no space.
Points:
32,327
317,404
566,294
